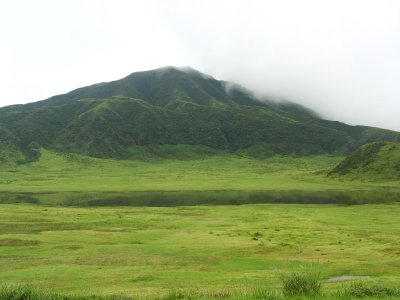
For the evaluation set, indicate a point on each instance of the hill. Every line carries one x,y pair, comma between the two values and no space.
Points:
172,106
375,161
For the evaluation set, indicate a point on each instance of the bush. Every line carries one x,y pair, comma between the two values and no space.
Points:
301,284
362,290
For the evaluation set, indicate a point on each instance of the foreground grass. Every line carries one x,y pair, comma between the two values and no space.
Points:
145,252
306,290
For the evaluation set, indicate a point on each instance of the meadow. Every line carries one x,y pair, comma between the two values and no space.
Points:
148,252
150,228
71,179
55,172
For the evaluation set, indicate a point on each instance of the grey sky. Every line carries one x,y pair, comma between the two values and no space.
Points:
340,58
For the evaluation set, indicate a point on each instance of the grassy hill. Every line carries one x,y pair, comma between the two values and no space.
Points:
375,161
171,106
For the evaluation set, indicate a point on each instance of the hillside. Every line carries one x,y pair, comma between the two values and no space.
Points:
171,106
375,161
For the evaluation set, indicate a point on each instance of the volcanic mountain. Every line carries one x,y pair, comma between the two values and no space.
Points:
172,106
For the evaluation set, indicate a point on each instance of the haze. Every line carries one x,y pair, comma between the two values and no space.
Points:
340,58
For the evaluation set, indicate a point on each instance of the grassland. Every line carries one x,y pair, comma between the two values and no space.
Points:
147,251
56,172
223,178
54,242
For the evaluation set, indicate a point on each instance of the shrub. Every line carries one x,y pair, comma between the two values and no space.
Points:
363,289
301,284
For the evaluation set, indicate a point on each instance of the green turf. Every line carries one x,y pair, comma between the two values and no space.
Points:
144,251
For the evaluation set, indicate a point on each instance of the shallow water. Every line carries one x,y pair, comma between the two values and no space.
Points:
222,197
346,277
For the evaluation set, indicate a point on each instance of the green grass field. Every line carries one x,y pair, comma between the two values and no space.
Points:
78,180
56,172
88,226
147,252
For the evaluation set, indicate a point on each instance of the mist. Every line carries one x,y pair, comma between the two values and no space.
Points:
339,58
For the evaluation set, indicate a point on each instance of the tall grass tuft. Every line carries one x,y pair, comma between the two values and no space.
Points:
365,289
28,293
19,293
183,294
301,284
179,294
260,293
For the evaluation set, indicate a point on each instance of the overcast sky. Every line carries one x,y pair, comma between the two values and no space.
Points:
340,58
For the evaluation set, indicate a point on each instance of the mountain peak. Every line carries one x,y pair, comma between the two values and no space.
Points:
165,86
174,69
175,105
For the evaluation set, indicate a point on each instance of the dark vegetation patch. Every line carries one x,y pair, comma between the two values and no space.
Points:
33,228
165,199
18,198
193,198
143,278
73,247
17,243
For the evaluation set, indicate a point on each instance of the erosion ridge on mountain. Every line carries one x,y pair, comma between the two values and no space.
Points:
172,106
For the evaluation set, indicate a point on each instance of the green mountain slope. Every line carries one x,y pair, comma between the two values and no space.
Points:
174,106
375,161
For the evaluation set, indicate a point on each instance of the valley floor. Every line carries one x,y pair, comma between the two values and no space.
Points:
130,242
70,179
147,251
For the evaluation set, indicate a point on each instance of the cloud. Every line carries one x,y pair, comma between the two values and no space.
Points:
52,47
340,58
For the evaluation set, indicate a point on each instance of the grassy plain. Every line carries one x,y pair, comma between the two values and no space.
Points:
220,250
147,251
77,180
55,172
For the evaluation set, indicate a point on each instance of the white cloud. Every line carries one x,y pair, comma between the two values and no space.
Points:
52,47
341,58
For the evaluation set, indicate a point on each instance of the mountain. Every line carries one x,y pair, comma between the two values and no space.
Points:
375,161
171,106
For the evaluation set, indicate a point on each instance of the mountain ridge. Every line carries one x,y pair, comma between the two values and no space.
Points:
174,106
